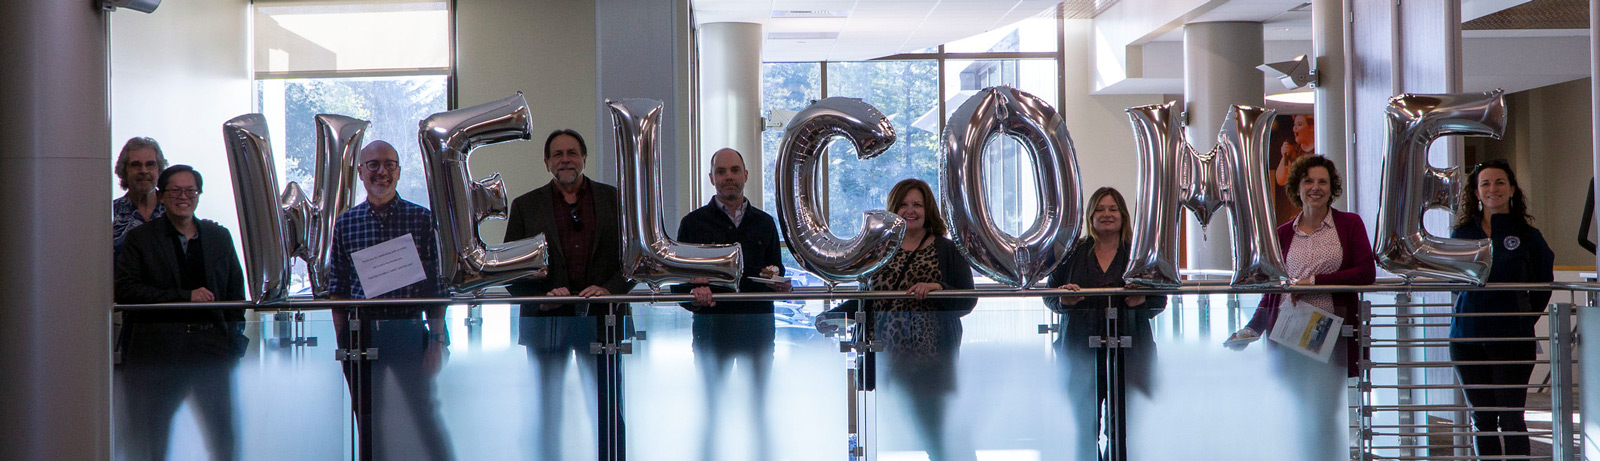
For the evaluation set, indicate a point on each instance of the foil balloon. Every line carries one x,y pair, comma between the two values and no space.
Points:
1021,260
1174,176
1411,186
459,203
805,228
268,241
339,143
649,256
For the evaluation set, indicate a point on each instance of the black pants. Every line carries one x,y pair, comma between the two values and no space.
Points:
1497,420
719,341
552,341
167,363
401,339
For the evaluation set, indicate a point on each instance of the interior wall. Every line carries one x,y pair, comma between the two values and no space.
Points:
1101,132
176,76
547,50
1549,144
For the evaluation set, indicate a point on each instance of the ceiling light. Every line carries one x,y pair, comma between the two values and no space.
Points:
1294,97
810,13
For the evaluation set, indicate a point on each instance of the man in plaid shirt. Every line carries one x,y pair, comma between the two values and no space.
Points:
412,349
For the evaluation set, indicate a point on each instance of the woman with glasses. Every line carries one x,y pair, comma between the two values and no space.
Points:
921,335
1492,207
1098,261
1321,246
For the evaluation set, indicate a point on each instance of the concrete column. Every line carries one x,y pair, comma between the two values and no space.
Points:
730,98
55,290
1219,70
1327,50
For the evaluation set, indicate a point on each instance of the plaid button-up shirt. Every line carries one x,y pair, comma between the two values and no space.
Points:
362,227
124,217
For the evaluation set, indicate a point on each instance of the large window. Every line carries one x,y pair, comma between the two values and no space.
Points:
384,62
918,92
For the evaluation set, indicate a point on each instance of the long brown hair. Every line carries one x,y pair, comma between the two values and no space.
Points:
1122,208
934,221
1471,211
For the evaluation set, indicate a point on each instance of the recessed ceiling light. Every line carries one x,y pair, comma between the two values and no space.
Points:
810,13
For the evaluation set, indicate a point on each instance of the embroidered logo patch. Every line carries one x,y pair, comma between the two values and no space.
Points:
1512,242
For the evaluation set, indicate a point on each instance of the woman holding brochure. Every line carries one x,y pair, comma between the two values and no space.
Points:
1492,207
1321,246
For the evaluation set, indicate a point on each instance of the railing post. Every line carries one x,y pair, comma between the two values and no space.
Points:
1561,408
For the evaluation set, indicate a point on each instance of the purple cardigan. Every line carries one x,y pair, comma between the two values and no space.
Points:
1355,268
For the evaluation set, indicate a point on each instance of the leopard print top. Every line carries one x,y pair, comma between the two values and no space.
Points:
908,326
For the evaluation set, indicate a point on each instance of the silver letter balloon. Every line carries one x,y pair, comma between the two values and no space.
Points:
799,212
1411,186
1173,176
459,203
649,256
272,227
339,143
1018,261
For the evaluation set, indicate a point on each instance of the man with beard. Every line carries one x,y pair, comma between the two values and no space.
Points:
137,166
580,220
412,349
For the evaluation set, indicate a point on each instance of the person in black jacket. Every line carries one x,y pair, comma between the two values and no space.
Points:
581,221
921,336
169,355
724,331
1098,261
1492,207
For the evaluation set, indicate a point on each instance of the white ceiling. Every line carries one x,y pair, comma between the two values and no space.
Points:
854,30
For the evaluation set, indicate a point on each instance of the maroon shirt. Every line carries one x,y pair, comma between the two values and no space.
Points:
575,222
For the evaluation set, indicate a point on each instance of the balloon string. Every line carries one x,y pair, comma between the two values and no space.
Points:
1203,233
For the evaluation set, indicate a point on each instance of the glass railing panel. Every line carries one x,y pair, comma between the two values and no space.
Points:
987,385
1205,401
733,386
198,390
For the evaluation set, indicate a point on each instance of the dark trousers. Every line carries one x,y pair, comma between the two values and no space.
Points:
1497,420
167,363
719,341
552,341
400,337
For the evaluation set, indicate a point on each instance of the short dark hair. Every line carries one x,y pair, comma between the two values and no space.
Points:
930,206
1302,167
583,149
161,182
134,144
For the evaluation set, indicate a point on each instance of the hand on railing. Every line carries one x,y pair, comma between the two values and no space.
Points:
1242,338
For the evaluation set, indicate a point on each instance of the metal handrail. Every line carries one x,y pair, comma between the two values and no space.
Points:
817,293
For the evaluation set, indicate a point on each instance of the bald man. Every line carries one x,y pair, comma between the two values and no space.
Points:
726,331
412,348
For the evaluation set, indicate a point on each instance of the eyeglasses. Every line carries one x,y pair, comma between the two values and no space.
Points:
151,164
577,224
372,166
185,192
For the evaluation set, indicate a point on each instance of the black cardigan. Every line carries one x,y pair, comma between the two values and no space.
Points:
956,274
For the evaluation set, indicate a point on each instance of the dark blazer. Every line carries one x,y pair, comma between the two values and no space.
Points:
531,215
147,273
1526,259
1356,267
757,236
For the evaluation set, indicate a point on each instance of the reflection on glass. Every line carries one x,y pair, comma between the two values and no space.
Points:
393,389
1036,34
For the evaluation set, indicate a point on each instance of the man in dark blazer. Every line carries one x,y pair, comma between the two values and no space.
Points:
171,354
581,222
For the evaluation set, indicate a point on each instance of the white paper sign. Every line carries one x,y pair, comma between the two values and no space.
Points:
388,266
1307,329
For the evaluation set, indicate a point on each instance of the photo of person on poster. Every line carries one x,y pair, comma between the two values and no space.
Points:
1293,136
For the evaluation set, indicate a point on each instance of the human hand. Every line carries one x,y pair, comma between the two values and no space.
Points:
594,290
201,295
1242,338
920,290
702,296
1069,300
